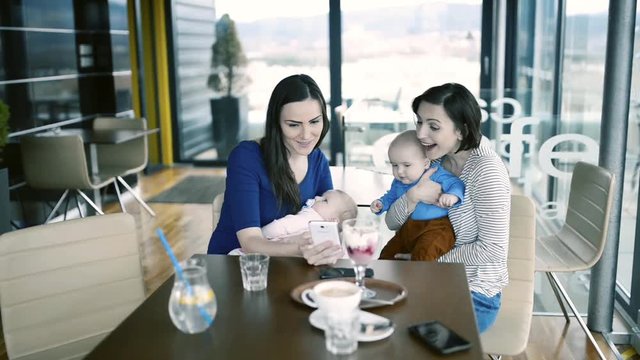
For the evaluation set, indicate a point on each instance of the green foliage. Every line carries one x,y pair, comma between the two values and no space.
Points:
227,59
4,124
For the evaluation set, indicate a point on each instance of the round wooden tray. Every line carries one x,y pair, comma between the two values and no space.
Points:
392,293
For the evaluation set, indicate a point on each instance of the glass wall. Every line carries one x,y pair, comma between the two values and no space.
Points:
57,59
631,177
535,86
120,55
581,99
193,29
392,52
574,132
39,88
285,38
62,62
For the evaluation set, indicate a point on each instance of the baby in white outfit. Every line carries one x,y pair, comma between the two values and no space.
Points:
333,205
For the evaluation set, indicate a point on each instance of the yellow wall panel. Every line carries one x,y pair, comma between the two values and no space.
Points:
156,77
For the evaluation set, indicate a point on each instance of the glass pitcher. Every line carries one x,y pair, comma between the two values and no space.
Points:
192,305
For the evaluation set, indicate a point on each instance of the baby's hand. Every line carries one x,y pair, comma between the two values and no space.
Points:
376,206
447,200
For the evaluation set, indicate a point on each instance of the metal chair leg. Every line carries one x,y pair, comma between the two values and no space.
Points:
66,208
495,357
555,292
573,308
115,185
75,196
93,205
144,204
55,208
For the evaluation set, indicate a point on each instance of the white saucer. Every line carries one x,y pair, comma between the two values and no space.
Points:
317,320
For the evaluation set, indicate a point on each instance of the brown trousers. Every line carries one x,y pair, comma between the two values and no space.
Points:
424,239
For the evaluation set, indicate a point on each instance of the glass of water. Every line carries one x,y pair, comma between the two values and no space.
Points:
254,269
341,332
192,304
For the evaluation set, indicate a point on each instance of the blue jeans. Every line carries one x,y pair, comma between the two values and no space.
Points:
486,309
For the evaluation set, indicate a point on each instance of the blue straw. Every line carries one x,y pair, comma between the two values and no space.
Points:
205,315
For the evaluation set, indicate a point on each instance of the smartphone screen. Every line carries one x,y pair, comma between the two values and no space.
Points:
322,231
439,338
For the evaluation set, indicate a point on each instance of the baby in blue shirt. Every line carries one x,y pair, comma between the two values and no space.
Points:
427,234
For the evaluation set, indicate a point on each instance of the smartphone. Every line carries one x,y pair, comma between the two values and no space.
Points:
439,338
322,231
339,272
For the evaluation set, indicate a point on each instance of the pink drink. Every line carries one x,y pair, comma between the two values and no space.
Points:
363,250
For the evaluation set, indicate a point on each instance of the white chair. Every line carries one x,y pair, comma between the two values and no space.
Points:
375,155
65,286
510,333
217,208
580,242
380,156
126,158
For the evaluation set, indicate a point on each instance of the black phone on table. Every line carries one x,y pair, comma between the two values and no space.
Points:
339,272
439,338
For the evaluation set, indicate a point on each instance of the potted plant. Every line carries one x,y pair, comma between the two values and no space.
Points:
229,108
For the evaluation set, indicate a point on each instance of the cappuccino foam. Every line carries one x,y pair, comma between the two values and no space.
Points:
337,292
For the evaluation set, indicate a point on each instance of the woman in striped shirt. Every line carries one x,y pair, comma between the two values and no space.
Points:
448,125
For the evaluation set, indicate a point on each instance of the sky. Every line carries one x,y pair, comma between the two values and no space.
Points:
249,10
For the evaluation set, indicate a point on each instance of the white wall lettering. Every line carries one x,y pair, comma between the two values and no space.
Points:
545,155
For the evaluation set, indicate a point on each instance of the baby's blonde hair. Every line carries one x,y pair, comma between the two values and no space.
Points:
351,209
408,138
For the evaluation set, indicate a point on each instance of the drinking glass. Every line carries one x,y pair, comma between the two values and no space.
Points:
360,237
341,332
192,304
255,269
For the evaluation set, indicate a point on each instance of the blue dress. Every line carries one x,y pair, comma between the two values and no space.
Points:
249,200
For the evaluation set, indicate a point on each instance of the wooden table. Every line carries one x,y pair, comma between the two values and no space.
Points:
106,137
363,185
271,325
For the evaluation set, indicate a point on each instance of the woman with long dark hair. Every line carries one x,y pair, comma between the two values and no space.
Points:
269,179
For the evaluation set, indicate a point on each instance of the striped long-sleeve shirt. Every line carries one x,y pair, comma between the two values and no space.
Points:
481,223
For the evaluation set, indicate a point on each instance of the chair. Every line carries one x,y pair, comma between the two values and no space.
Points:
58,162
217,208
126,158
580,242
379,156
65,286
510,333
373,155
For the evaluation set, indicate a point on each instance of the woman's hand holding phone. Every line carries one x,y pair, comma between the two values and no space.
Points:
325,253
324,243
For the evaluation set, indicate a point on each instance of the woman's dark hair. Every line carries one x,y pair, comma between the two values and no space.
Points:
290,89
461,106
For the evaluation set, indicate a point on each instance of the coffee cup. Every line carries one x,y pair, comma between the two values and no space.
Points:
333,296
